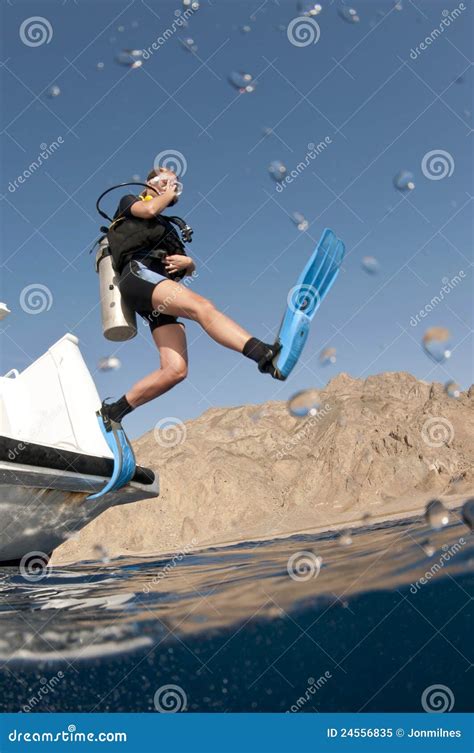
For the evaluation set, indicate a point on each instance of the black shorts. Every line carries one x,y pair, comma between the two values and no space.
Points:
136,283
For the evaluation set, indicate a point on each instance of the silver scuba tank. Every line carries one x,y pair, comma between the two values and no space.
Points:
119,321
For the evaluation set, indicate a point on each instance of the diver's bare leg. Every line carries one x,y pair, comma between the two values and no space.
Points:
170,340
171,298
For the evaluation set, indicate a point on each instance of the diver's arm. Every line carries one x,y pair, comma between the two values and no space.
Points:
148,209
179,263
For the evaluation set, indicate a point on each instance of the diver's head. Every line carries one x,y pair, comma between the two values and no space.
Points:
159,179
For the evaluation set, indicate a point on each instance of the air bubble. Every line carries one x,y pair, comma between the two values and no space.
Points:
349,14
304,403
436,514
100,66
306,8
277,170
344,538
300,221
370,265
428,548
452,389
467,513
242,81
130,58
189,44
327,356
54,91
109,363
192,4
101,553
436,343
404,181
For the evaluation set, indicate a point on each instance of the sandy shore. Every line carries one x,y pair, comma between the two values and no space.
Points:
382,447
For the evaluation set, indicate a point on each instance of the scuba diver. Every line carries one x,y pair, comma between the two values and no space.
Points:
150,259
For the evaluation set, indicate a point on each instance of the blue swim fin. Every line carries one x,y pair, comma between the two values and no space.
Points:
124,457
304,299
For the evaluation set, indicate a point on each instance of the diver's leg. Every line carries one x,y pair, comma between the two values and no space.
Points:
170,339
171,298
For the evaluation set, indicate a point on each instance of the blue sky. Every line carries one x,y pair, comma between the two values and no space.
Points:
381,111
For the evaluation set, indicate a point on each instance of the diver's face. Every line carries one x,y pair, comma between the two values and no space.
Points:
163,181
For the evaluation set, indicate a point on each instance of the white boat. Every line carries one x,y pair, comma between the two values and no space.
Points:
53,455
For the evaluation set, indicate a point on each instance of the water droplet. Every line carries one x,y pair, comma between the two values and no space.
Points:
468,513
452,389
404,181
100,66
349,14
306,8
121,29
370,265
245,29
242,81
136,177
54,91
428,548
130,58
344,538
193,4
277,170
267,131
327,356
304,403
109,363
189,44
436,515
101,552
4,311
398,5
436,343
300,221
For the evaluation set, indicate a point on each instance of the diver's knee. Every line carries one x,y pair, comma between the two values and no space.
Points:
177,374
206,310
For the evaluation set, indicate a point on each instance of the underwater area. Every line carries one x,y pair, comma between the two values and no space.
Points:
374,619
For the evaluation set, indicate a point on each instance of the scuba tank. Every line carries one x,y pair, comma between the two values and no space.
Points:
119,321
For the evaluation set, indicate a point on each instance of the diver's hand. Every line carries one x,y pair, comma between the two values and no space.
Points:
178,263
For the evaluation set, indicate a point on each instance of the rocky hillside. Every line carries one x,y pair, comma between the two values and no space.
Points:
380,446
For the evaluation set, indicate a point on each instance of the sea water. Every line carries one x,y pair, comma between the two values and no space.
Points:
365,620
